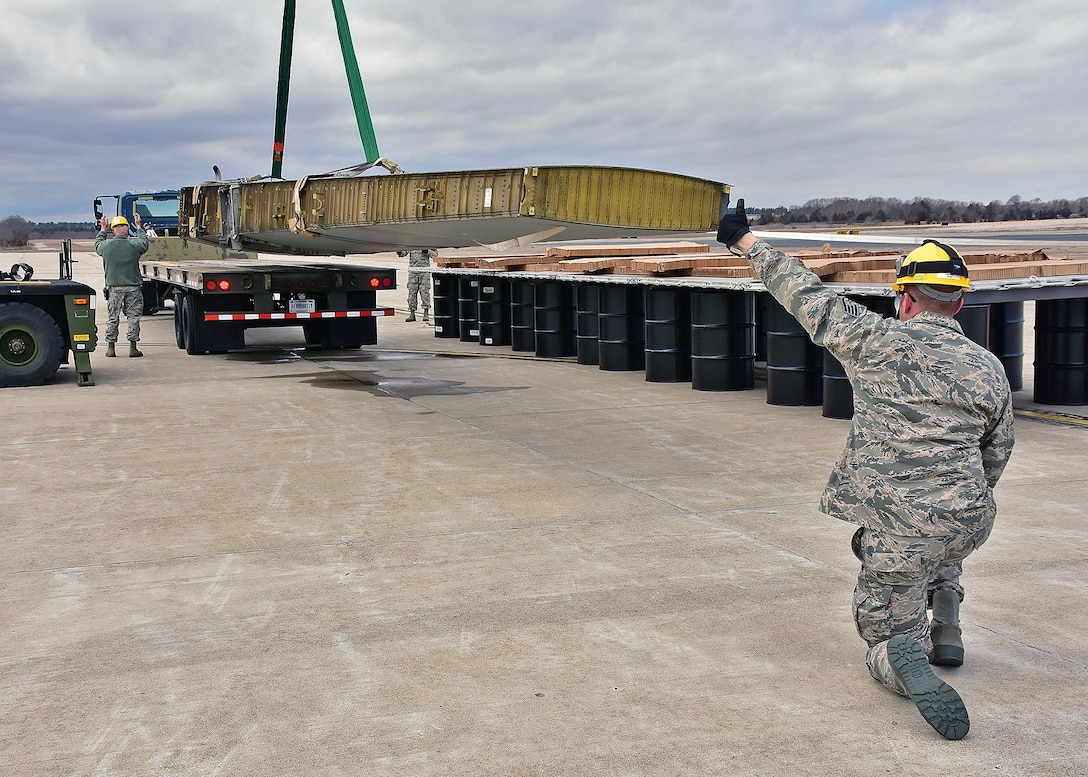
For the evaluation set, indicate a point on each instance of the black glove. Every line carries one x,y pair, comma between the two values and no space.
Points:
733,226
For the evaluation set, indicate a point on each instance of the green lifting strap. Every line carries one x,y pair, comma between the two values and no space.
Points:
355,84
284,86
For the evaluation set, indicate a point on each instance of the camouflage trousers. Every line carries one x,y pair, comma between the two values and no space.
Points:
898,575
130,301
419,283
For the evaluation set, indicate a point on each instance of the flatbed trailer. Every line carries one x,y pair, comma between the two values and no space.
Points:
215,301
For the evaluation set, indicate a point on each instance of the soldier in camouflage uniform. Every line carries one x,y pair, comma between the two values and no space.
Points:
932,432
124,284
419,283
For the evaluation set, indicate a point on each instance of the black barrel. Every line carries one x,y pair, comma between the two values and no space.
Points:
668,334
468,313
621,338
975,322
1061,351
588,305
1007,339
794,364
445,305
838,401
494,311
522,315
554,316
723,356
838,395
885,306
762,305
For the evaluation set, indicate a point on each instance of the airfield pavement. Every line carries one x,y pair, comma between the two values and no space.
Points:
429,557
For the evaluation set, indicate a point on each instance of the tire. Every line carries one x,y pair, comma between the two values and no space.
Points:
179,322
199,338
190,325
31,345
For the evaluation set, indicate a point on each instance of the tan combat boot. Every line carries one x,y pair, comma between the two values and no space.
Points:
133,351
110,351
411,316
945,629
426,316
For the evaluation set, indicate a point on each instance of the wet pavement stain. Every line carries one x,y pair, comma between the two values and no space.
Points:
317,356
407,388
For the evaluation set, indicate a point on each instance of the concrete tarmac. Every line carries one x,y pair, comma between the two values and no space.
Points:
434,558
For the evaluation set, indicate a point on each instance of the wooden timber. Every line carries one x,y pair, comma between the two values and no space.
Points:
684,258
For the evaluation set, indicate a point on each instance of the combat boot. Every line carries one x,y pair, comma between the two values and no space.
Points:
426,315
411,316
133,351
945,629
938,701
110,350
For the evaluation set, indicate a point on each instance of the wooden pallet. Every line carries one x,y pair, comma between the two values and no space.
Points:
683,258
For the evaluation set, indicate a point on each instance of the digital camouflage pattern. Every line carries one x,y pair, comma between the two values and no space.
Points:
931,434
932,428
419,283
127,300
897,575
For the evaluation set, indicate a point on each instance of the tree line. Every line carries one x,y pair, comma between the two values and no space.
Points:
16,231
920,210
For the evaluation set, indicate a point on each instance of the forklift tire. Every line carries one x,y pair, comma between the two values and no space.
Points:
31,345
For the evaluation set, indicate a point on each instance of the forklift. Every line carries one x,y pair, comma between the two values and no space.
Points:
45,322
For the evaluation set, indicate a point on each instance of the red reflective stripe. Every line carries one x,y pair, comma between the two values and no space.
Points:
286,316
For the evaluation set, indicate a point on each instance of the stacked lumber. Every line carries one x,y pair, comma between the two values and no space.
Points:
683,258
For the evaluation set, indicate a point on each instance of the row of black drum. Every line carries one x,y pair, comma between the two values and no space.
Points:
714,337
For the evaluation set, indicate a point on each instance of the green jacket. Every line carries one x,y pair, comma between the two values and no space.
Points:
933,424
121,257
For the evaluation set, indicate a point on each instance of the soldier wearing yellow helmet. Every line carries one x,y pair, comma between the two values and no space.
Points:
931,434
935,270
124,285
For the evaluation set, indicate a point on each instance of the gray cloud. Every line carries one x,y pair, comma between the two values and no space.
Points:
787,101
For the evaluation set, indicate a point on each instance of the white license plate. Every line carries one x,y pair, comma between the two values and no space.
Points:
302,305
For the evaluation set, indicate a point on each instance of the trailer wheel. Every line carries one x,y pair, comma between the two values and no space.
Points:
198,338
189,326
31,345
179,322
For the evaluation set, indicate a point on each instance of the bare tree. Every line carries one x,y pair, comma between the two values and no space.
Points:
14,231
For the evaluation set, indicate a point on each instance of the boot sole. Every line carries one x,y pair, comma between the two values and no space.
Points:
938,701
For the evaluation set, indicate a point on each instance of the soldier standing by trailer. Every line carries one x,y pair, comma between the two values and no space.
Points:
931,434
124,285
419,283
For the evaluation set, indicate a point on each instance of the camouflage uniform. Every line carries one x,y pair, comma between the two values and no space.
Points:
130,301
931,434
419,283
121,264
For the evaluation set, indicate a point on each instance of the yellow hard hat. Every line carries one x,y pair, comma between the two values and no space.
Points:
931,264
118,221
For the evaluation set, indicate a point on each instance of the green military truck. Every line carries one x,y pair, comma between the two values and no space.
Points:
44,323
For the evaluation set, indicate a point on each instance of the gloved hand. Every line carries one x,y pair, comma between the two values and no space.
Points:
733,226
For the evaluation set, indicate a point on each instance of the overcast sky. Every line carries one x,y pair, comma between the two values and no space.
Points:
973,100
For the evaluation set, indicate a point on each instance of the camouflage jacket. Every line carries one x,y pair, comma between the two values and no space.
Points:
421,258
932,428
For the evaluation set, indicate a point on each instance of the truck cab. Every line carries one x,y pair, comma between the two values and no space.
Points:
159,209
